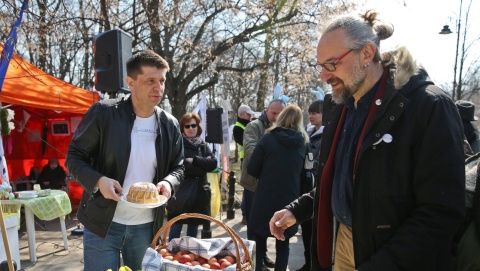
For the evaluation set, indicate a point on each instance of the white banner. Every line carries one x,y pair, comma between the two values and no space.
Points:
201,109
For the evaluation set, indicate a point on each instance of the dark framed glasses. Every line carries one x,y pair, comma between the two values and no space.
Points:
187,126
330,66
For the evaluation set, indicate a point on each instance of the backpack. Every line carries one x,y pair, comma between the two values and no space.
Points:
466,242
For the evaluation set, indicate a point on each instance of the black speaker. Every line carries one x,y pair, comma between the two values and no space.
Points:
111,51
214,133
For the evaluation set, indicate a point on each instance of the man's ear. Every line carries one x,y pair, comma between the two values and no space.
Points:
130,82
368,53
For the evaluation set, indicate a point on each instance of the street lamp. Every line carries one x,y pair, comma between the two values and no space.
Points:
445,31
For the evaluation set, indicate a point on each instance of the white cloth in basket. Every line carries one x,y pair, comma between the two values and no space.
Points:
207,248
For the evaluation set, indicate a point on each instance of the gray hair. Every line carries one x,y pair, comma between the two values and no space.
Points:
362,29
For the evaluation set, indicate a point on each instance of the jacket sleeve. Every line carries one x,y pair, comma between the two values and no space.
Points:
42,177
59,175
175,171
254,167
302,208
238,135
205,163
439,190
251,136
83,147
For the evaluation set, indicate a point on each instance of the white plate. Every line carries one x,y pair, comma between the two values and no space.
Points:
20,196
162,201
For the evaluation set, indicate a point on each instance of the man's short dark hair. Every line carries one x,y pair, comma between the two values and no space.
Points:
145,58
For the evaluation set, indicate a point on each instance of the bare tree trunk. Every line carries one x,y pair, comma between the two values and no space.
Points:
104,16
42,37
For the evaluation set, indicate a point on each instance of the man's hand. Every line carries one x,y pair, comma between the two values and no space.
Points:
280,221
110,188
165,188
190,160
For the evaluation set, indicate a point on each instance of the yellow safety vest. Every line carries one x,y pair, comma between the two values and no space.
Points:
241,153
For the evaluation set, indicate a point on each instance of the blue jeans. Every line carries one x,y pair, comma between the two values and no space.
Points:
104,253
176,230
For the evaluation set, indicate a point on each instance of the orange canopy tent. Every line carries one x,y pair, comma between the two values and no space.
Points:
47,111
27,85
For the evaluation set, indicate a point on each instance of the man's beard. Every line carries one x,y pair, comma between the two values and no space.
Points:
340,96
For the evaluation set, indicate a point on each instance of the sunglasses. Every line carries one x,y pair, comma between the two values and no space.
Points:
190,125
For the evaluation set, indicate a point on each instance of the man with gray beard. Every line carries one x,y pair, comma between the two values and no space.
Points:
391,165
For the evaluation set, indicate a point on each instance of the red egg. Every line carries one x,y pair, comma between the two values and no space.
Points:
215,266
185,258
225,264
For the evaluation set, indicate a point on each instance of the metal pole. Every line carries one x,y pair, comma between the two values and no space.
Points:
457,95
231,195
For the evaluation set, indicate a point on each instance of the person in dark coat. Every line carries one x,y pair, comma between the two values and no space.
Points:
277,162
52,175
314,130
391,159
198,161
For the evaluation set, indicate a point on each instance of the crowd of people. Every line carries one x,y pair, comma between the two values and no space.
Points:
387,178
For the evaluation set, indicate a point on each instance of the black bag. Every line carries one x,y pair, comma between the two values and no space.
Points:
185,197
307,180
466,243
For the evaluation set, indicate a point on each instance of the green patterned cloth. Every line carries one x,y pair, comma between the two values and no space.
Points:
49,207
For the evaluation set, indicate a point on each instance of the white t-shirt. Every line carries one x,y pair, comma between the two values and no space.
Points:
142,165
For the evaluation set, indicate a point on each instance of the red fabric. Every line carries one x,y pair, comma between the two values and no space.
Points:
325,215
46,99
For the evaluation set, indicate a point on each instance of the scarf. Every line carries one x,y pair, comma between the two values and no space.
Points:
194,140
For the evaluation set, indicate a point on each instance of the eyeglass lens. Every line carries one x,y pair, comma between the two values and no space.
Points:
190,125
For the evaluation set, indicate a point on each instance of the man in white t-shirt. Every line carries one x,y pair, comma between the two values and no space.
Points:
118,143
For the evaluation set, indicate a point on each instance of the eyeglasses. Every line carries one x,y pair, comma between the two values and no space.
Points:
190,125
330,66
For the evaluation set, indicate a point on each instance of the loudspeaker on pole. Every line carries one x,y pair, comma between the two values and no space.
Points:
111,51
214,133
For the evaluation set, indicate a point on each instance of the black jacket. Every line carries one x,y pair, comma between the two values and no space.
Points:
409,194
238,132
101,147
55,176
197,171
277,163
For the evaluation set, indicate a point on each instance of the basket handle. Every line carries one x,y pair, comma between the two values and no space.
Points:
235,237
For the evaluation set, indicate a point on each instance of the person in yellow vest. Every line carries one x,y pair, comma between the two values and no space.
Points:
245,113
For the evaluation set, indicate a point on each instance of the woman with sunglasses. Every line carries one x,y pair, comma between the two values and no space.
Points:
198,161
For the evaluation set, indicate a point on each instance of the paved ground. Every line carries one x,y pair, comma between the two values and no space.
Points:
52,256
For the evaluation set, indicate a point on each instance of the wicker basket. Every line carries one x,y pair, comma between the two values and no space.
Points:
246,265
